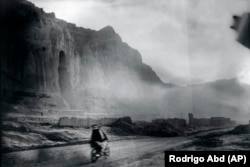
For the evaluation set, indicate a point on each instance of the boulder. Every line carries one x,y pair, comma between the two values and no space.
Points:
241,129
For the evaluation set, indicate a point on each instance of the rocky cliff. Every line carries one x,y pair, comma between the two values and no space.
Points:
49,63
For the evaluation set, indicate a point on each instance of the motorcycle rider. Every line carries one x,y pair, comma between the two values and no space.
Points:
98,139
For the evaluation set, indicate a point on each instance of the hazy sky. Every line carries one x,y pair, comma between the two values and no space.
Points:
185,41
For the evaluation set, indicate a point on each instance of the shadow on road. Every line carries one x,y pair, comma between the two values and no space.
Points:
43,157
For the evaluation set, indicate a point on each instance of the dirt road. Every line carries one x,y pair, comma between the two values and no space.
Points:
79,155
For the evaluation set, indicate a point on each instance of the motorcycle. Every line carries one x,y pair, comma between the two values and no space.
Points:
104,153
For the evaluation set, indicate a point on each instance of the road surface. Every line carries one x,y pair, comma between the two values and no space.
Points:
79,155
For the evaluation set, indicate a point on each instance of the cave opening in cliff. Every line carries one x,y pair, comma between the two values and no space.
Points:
62,71
64,77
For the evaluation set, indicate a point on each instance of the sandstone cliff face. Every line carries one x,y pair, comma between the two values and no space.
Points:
52,63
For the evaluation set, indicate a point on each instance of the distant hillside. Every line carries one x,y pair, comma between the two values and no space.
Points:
227,98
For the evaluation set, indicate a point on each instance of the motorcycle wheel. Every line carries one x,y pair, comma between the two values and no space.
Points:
94,158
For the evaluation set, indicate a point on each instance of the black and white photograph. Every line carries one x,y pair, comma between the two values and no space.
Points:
118,83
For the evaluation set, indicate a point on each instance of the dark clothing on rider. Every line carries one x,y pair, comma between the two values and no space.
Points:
97,136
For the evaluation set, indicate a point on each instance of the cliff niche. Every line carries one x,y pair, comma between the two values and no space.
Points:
47,63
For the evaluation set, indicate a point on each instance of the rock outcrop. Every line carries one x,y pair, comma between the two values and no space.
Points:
241,129
50,63
125,126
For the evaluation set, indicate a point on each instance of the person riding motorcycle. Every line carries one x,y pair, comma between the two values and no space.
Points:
98,139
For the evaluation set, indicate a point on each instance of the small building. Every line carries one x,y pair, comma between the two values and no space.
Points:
213,121
220,121
175,122
201,122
